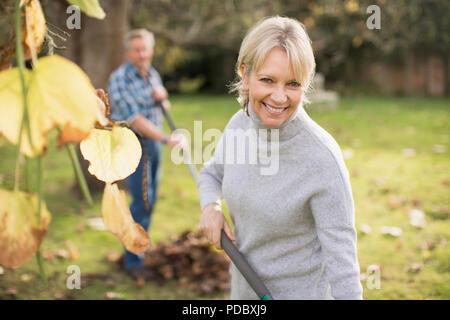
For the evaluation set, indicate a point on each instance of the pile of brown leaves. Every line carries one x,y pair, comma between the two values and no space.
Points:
191,260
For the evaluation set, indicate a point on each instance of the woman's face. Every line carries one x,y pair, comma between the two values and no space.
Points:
274,94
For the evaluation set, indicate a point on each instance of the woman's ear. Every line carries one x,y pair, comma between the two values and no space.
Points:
244,77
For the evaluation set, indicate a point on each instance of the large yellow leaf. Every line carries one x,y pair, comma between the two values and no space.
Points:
117,218
60,94
20,233
11,103
113,154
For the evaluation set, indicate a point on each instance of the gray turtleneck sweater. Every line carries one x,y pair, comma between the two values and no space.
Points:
292,208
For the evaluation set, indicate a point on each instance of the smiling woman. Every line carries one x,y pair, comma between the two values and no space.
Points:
294,225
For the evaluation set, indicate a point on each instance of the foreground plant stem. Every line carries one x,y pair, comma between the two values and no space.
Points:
21,66
79,173
25,121
40,197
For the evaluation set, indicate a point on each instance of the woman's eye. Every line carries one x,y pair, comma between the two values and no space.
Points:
266,80
294,84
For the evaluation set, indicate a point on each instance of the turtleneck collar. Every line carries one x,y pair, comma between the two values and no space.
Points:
291,127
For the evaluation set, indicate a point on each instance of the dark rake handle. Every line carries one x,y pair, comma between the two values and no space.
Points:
247,271
235,255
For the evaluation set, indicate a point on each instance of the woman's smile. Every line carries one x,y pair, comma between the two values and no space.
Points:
276,111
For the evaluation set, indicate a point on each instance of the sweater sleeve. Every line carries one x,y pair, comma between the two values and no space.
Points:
210,180
333,211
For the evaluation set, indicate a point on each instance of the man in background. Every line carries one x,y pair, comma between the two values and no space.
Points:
136,91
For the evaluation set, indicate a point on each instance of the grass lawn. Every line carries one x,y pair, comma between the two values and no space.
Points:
397,152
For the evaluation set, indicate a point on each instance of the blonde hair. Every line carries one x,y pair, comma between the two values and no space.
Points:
275,32
139,33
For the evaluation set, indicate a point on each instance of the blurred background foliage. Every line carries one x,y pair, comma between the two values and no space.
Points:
198,40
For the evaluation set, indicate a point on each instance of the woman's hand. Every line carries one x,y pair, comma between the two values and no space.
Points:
212,221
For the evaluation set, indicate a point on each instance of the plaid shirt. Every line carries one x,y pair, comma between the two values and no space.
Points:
130,94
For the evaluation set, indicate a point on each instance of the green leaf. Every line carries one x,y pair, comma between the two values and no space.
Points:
91,7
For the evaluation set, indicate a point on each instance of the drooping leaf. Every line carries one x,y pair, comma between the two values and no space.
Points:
103,108
60,94
91,7
113,154
118,220
34,28
20,232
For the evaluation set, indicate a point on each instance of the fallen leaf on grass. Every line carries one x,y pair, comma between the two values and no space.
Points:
348,153
414,268
62,254
417,218
140,282
392,231
365,228
382,184
428,245
25,277
80,227
439,148
117,217
395,202
409,152
12,291
58,295
73,251
439,212
110,283
96,224
416,202
48,255
113,295
113,256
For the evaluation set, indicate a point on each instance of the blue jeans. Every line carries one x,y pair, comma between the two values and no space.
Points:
134,182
